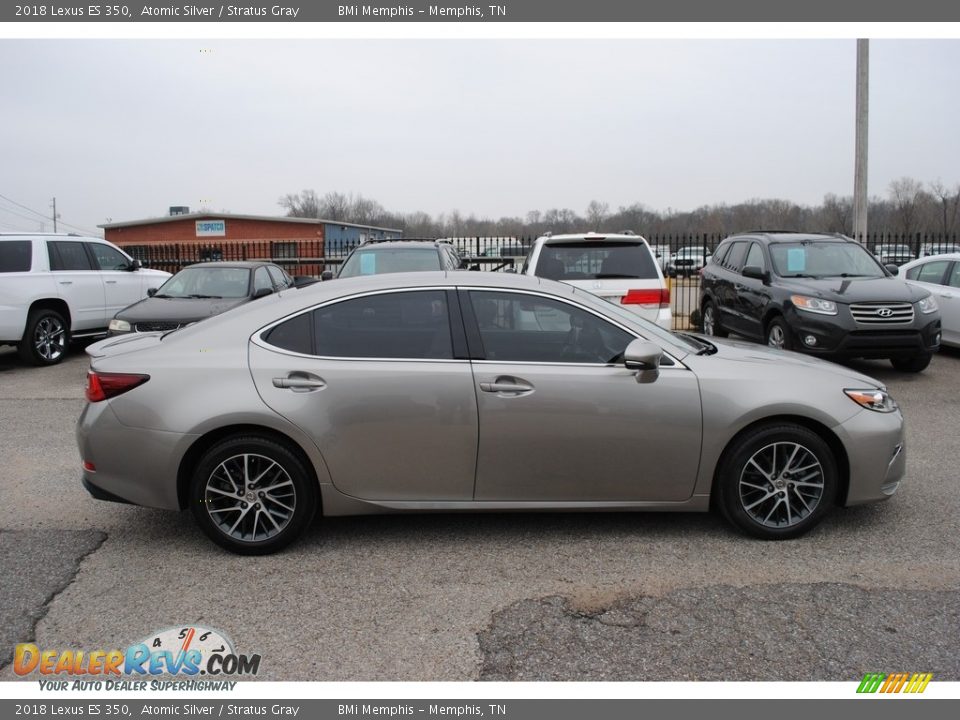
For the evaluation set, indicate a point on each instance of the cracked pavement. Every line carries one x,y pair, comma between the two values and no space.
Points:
463,597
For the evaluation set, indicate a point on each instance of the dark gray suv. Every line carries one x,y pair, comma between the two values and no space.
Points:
823,295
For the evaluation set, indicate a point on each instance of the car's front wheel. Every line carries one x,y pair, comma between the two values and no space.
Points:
779,335
711,321
45,338
777,481
252,495
913,364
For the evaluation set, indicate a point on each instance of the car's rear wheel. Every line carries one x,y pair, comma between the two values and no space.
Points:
252,495
777,481
45,338
779,335
711,321
913,364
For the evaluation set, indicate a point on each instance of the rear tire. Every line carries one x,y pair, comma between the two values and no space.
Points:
251,495
711,321
46,338
913,364
777,481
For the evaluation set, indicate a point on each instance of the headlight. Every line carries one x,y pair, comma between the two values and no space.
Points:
928,305
119,325
814,305
873,399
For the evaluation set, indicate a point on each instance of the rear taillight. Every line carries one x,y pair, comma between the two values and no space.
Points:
102,386
654,296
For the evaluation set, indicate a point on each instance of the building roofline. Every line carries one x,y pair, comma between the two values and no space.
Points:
232,216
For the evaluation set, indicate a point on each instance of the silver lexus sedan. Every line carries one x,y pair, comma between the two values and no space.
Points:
459,391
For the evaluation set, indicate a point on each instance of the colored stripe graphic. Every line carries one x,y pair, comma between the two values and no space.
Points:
894,682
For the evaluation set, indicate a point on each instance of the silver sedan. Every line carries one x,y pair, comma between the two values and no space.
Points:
458,391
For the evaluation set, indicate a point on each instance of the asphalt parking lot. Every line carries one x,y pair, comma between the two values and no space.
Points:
532,597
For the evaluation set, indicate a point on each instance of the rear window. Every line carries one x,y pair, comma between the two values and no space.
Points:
390,260
594,259
15,256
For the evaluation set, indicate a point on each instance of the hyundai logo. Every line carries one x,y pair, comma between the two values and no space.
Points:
884,312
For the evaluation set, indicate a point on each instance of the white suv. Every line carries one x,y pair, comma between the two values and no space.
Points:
57,287
617,267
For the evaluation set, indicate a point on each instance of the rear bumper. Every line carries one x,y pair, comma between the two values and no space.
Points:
133,465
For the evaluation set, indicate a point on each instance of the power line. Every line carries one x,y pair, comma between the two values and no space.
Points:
45,218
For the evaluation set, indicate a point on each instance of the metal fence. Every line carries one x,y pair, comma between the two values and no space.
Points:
311,257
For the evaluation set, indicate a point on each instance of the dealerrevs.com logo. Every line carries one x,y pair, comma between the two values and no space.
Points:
887,683
189,651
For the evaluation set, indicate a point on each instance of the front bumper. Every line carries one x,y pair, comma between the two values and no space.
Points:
841,337
876,453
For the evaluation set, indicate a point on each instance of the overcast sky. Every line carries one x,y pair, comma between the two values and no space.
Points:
123,129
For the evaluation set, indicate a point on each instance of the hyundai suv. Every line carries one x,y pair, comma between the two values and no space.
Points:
54,288
617,267
823,295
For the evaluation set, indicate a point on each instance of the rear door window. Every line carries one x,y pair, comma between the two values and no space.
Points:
596,259
15,256
931,272
65,255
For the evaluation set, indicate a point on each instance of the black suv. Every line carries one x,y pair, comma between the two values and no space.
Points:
376,257
820,294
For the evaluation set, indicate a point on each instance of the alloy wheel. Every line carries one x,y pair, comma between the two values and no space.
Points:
250,497
776,337
49,339
781,484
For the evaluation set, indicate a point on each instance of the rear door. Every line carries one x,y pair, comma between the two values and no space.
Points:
78,283
383,385
561,419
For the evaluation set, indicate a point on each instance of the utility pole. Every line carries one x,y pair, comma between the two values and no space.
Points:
54,215
860,163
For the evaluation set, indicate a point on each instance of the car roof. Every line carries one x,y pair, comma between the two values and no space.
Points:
580,237
406,242
954,256
230,264
783,236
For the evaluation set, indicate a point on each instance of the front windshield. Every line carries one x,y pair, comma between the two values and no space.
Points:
813,259
377,261
207,282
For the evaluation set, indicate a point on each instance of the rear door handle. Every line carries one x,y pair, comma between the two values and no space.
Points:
299,383
946,295
66,282
110,282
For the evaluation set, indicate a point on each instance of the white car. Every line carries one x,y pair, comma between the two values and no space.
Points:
940,274
619,268
54,288
688,261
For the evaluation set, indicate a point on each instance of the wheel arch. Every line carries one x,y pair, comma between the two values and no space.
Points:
825,434
58,305
212,437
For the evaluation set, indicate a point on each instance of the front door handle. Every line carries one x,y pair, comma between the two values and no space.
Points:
946,295
507,385
299,383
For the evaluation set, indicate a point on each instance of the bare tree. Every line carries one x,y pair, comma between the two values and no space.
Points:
949,202
907,196
597,212
303,204
837,213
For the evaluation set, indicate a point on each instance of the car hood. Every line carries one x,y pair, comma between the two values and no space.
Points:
747,352
851,290
179,310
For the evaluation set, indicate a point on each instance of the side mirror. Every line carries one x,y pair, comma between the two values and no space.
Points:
134,266
262,292
151,292
326,275
644,357
752,271
510,269
892,269
474,267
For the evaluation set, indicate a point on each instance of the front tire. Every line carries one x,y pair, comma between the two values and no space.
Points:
45,338
777,482
779,334
252,495
913,364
